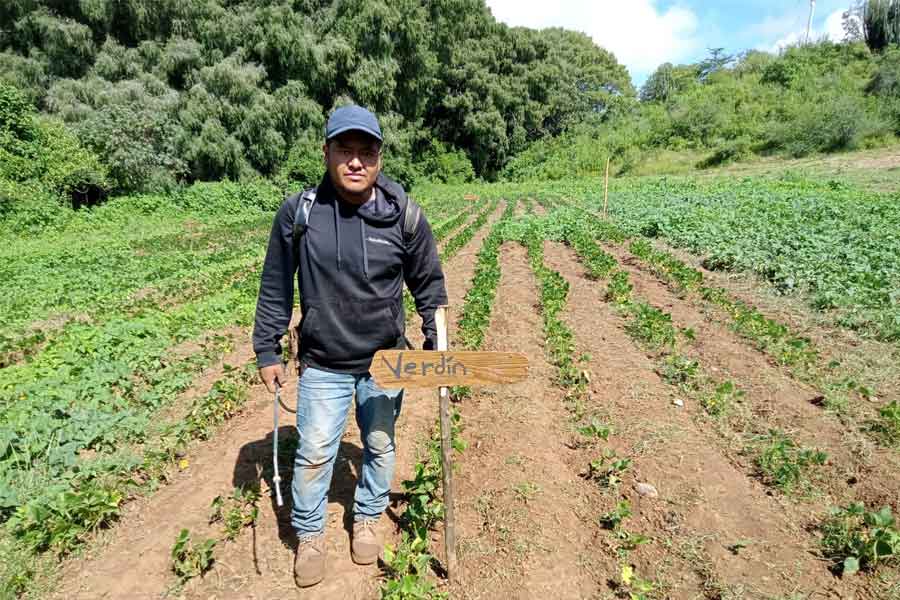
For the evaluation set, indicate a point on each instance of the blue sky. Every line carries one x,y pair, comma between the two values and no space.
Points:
646,33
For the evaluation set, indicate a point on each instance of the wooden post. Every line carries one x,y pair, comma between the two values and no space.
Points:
440,321
606,190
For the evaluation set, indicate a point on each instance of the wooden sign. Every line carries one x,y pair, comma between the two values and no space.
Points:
433,369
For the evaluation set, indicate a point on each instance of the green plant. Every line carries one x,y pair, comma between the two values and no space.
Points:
887,426
651,326
719,401
595,430
784,464
608,469
614,518
407,566
61,520
619,288
190,560
856,539
637,588
237,511
680,370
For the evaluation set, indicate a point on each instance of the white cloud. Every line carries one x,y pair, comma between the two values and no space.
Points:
641,35
833,30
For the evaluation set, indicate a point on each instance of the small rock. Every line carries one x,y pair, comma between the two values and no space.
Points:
646,490
678,402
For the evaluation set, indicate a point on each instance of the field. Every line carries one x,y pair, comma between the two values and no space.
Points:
712,411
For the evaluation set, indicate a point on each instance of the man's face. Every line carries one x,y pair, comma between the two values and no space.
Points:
353,159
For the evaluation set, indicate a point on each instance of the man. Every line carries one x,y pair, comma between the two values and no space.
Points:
351,245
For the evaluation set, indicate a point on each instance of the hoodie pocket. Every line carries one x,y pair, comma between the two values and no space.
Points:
339,329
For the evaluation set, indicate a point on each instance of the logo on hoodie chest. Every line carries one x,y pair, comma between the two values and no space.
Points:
377,240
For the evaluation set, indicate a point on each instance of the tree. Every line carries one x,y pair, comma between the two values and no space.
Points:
881,23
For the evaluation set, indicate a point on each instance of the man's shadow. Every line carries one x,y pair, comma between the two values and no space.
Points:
254,465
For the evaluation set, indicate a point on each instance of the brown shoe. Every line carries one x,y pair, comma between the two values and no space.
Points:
365,547
309,562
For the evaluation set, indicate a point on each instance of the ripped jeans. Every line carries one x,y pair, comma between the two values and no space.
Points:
323,402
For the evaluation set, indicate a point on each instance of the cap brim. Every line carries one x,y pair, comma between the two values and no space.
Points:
366,130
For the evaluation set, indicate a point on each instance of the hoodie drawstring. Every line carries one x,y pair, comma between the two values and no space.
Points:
362,233
337,233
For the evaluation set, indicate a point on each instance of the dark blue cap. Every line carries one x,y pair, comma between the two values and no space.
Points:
349,118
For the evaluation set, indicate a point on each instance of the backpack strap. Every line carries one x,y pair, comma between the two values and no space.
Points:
411,218
301,217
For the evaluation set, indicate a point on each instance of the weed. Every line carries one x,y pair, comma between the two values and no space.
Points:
190,560
525,491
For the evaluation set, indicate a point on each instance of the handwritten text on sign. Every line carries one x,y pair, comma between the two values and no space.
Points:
429,369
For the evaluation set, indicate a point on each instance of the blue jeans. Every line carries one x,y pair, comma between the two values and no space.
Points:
323,403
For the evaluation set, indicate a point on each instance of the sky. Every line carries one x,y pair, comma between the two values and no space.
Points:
646,33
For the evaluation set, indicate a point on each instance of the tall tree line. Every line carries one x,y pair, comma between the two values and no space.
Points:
170,90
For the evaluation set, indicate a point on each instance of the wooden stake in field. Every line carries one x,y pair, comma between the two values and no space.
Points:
606,190
440,321
441,368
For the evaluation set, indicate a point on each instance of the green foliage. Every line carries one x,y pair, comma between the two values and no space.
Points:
651,326
479,300
237,511
887,426
614,518
856,539
608,469
720,400
208,90
784,464
189,559
407,567
60,521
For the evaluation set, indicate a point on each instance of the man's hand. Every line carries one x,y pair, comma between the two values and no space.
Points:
272,374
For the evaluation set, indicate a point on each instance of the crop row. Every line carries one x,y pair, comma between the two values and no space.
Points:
776,339
834,244
59,520
408,562
780,462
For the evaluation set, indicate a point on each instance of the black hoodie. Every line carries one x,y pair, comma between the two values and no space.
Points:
352,265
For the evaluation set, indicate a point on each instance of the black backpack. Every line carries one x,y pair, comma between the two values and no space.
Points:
412,215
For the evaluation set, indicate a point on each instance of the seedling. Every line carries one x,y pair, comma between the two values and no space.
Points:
188,560
783,464
720,400
613,519
608,470
887,427
595,431
235,512
855,539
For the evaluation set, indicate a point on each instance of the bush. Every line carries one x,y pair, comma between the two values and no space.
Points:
304,166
